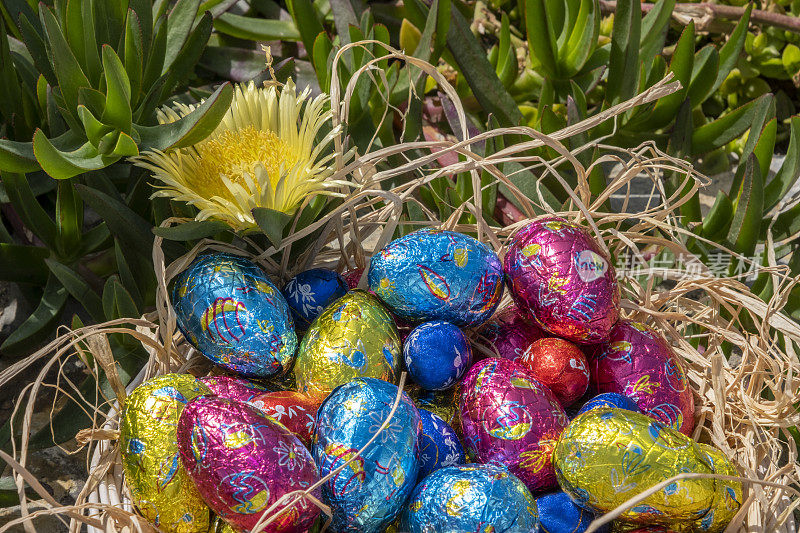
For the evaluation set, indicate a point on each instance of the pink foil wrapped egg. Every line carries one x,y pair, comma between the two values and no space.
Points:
509,333
294,410
638,362
243,461
558,271
509,417
233,388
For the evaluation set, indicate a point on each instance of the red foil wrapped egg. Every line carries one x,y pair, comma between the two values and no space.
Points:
509,417
294,410
560,273
560,365
638,362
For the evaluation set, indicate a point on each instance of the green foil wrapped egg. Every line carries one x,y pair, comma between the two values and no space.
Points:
607,456
353,337
159,484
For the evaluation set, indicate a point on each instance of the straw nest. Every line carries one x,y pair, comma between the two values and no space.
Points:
745,409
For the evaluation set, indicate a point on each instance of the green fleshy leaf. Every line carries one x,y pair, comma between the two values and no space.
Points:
180,21
191,230
272,223
192,128
78,288
787,175
255,29
730,51
23,264
720,132
63,165
118,92
718,219
307,21
704,70
624,63
17,157
28,208
748,209
41,322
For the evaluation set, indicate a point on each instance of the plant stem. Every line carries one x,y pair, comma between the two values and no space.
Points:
705,15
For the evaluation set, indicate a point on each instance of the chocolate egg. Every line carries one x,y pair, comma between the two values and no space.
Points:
159,485
610,399
438,275
509,333
559,514
560,365
559,273
443,404
294,410
232,388
437,354
371,490
352,338
310,292
438,445
607,456
352,277
638,362
509,417
232,313
482,498
242,462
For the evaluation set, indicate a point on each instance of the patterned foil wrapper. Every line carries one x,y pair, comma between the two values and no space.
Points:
559,273
638,362
370,492
610,399
438,275
559,514
218,525
242,462
481,498
509,417
233,388
233,314
509,333
355,337
159,484
439,446
310,292
294,410
607,456
437,354
560,365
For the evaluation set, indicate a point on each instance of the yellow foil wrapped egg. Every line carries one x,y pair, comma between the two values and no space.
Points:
607,456
354,337
159,484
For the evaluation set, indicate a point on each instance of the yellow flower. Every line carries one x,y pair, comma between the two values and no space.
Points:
263,154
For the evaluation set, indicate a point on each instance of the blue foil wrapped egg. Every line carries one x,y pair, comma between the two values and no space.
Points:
439,446
369,493
474,497
437,354
233,314
610,399
310,292
559,514
438,275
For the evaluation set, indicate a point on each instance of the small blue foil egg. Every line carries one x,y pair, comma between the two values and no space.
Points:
370,491
477,497
439,446
310,292
437,354
559,514
233,314
438,275
610,399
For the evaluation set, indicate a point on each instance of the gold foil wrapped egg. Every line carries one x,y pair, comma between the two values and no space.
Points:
353,337
159,484
607,456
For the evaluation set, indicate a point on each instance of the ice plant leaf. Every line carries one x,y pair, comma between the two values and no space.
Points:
271,223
